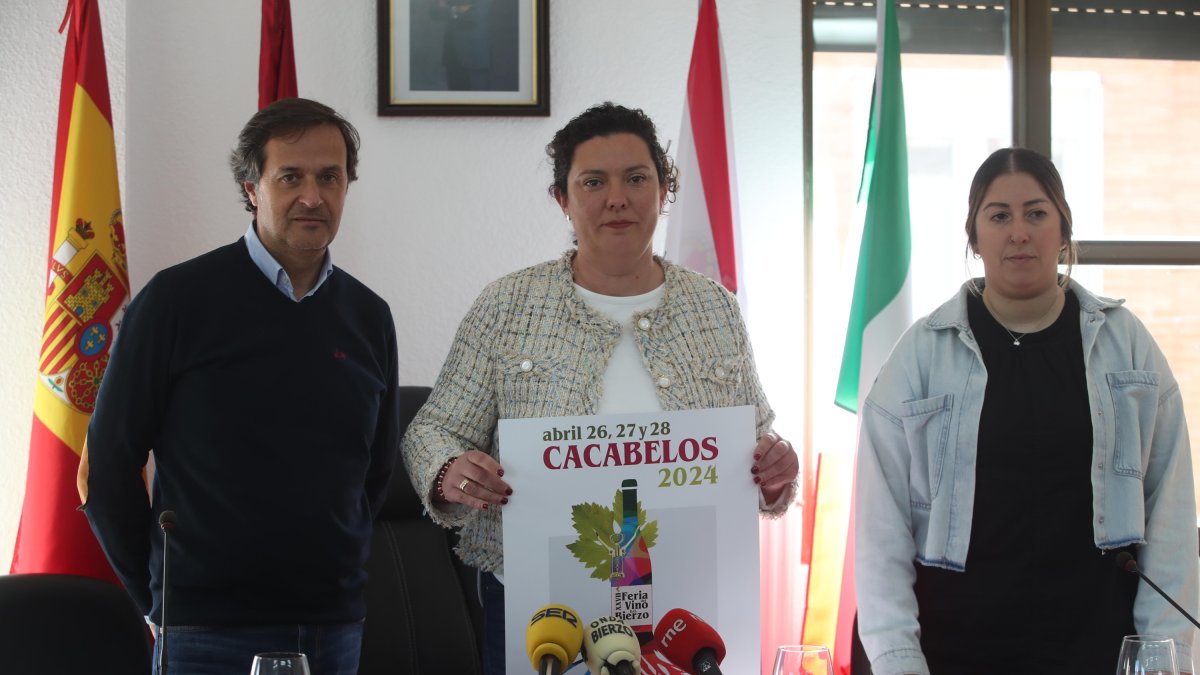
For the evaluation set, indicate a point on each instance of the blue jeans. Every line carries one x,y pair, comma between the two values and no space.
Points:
491,596
332,649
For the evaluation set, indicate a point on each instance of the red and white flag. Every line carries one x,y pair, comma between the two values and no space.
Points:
276,59
702,230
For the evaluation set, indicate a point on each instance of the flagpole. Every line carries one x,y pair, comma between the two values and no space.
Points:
806,80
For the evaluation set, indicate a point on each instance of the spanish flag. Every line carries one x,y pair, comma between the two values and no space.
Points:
87,290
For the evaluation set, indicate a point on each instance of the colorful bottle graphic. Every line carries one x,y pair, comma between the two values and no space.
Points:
632,587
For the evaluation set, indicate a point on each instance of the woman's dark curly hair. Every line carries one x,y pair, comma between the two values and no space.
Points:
607,119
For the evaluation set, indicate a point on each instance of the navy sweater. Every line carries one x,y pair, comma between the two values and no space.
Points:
274,426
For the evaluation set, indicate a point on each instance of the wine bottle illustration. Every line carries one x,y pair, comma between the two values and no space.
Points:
631,579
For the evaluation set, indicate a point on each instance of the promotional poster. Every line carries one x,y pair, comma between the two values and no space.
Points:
633,515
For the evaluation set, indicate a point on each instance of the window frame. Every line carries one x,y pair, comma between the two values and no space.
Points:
1028,50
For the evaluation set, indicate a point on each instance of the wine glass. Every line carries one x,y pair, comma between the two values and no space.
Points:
280,663
1147,655
1184,665
802,660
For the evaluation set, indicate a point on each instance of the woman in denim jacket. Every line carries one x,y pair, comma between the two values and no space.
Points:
1017,439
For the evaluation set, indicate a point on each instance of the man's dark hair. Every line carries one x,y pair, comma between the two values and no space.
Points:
285,118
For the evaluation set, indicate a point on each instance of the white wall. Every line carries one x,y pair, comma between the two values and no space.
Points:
442,205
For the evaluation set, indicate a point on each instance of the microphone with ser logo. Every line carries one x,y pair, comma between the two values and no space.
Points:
690,643
553,639
611,647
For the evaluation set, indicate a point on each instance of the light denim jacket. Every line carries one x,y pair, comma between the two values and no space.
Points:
915,481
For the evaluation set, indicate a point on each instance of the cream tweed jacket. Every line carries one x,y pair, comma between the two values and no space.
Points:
531,347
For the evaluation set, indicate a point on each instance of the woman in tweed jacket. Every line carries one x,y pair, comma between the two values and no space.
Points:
608,327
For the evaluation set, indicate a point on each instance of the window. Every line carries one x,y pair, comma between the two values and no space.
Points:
1123,103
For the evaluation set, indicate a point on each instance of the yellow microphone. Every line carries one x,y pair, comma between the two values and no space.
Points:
553,638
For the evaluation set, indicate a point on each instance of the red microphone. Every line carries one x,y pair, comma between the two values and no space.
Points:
690,643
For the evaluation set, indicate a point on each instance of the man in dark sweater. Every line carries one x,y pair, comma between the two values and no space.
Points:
264,380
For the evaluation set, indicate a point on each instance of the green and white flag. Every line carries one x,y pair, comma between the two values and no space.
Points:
882,305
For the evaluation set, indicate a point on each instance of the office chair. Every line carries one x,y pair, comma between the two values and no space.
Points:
62,624
423,615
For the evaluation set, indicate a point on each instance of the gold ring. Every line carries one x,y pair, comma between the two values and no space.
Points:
462,487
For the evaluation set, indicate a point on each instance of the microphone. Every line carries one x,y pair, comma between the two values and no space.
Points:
686,640
166,522
610,647
1124,560
553,638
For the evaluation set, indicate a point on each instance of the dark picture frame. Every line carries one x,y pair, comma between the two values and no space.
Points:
464,57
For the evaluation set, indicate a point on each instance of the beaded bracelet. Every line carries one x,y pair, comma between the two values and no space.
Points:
441,477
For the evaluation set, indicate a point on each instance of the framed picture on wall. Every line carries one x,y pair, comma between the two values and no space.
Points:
464,57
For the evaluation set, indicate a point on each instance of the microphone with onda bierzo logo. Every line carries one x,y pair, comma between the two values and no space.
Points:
611,647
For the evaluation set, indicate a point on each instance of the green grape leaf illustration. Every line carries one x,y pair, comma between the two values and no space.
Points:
650,532
592,520
599,531
594,525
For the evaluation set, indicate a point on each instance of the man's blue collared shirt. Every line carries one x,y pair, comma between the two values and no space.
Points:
275,272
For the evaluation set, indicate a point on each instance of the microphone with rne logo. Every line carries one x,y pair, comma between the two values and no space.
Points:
553,639
610,647
1124,560
690,643
166,522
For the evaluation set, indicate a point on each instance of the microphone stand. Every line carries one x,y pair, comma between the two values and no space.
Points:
1129,564
166,522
